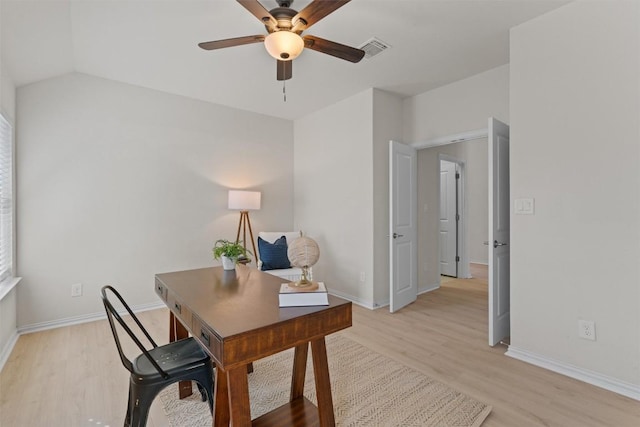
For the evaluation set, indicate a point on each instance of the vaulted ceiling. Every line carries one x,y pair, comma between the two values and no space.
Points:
153,44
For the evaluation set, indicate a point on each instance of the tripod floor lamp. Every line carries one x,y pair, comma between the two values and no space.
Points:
245,201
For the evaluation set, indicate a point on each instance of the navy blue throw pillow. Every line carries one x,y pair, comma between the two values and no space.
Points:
273,255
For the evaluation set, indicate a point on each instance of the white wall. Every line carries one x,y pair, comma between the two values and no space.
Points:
117,183
341,163
7,93
458,107
474,155
387,126
333,170
575,133
8,303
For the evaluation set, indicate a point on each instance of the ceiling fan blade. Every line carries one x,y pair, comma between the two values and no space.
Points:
285,70
238,41
338,50
318,9
260,12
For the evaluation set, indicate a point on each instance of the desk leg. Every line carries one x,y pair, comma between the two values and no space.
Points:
323,383
221,400
299,370
177,331
238,385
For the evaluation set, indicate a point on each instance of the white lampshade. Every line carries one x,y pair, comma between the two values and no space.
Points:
284,45
244,200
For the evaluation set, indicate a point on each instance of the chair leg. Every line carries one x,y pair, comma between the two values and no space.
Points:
207,395
203,392
209,383
204,380
127,418
128,421
210,399
142,398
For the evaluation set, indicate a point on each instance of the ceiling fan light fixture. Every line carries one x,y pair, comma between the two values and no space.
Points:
284,45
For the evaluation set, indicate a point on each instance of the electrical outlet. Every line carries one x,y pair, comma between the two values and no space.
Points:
362,277
587,329
76,290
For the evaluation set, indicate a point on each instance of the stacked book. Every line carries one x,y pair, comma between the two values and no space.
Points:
293,296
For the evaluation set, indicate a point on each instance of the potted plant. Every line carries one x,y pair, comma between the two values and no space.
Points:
229,252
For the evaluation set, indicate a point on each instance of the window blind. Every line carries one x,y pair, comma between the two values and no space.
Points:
6,199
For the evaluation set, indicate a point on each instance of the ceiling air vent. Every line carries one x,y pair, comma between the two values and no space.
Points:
373,46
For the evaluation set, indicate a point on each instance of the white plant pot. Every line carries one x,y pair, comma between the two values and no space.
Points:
228,263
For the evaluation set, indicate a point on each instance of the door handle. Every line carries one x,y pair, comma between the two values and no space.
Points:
396,235
495,244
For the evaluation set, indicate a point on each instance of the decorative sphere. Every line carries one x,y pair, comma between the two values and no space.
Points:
303,252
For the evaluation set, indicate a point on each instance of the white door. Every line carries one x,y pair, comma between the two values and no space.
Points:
498,244
403,263
448,219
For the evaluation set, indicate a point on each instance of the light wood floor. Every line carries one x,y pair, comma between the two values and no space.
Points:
72,376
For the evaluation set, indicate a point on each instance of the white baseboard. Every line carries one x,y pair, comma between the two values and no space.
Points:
386,303
8,348
69,321
59,323
428,288
479,263
355,300
590,377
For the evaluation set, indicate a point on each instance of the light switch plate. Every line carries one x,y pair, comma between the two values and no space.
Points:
524,206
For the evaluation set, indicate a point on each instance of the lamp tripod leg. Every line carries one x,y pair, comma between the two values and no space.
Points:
239,227
253,243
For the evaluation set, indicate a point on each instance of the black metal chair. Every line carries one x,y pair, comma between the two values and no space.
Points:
158,367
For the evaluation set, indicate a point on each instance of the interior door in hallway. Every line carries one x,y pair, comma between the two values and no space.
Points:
499,232
403,234
448,238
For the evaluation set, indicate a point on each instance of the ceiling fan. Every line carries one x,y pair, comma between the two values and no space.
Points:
284,26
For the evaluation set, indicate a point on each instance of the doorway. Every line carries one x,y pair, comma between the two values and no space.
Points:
497,220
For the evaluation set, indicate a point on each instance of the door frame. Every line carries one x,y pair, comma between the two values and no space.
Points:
462,232
482,133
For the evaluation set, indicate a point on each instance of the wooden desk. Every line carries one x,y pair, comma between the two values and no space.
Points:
236,318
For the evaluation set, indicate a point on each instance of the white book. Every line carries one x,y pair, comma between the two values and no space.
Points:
291,296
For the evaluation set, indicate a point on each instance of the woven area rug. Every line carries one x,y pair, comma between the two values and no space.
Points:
368,390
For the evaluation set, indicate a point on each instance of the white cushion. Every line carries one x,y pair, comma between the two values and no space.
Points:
292,274
272,236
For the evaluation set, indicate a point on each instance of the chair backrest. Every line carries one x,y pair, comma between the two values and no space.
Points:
112,314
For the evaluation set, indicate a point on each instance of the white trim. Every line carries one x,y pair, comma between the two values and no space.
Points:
424,290
85,318
358,301
8,285
8,348
590,377
421,290
450,139
479,263
69,321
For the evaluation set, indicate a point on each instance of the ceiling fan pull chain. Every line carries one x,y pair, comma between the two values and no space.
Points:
284,90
